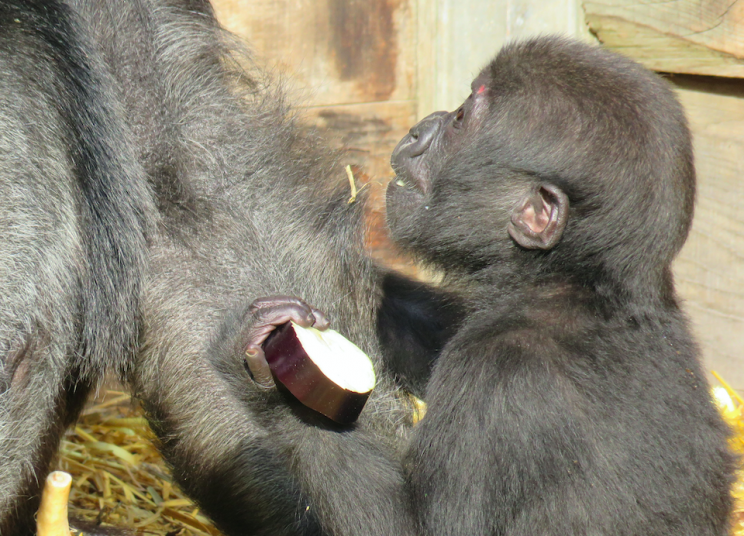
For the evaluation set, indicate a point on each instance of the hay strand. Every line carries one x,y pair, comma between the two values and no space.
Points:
731,406
119,478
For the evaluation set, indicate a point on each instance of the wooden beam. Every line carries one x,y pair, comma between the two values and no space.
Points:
682,36
338,51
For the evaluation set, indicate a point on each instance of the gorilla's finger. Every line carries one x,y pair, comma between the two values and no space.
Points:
258,367
322,322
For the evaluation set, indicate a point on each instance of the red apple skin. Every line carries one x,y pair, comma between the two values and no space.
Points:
293,368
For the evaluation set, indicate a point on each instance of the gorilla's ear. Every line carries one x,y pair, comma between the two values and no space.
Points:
538,219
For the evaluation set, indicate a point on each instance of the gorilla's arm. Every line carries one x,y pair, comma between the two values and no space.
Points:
259,465
254,486
414,322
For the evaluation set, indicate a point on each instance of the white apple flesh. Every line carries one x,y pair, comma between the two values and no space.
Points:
322,369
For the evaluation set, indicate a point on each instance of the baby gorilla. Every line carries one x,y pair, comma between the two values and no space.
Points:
571,400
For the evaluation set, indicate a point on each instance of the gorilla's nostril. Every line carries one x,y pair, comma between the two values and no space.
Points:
423,133
419,138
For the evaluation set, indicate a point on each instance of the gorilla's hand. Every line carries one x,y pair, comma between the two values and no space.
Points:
269,313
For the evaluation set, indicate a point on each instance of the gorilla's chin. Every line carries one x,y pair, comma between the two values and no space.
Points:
402,202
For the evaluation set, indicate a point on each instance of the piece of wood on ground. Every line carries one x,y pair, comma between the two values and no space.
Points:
51,520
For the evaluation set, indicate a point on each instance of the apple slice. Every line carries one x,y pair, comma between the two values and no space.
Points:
322,369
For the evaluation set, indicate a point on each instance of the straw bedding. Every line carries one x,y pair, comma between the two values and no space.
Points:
120,479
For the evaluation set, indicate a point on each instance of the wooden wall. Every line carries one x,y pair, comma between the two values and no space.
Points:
701,42
366,70
458,37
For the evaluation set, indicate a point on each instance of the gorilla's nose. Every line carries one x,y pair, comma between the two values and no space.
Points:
420,136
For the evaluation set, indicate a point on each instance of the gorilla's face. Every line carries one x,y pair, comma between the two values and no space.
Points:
444,171
463,193
422,155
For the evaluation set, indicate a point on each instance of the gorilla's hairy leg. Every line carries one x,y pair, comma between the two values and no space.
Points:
72,244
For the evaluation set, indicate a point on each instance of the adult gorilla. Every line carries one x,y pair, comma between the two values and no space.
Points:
152,188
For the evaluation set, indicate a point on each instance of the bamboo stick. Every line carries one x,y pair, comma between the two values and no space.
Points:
51,519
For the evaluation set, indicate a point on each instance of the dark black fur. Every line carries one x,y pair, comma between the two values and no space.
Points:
571,400
414,322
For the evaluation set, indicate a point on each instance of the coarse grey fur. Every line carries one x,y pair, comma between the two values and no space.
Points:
155,182
74,213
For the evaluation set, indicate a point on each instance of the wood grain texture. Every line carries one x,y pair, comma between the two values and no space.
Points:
680,36
460,37
710,269
341,51
427,12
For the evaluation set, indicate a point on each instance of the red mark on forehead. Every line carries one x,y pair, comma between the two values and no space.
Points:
481,89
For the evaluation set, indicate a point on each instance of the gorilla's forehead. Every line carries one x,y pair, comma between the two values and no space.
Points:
481,83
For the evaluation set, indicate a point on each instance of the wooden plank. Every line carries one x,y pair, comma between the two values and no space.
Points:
468,34
528,18
426,57
680,36
457,38
340,51
710,268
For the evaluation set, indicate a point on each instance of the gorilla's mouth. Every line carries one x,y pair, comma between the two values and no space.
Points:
402,182
406,182
408,176
409,164
403,197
